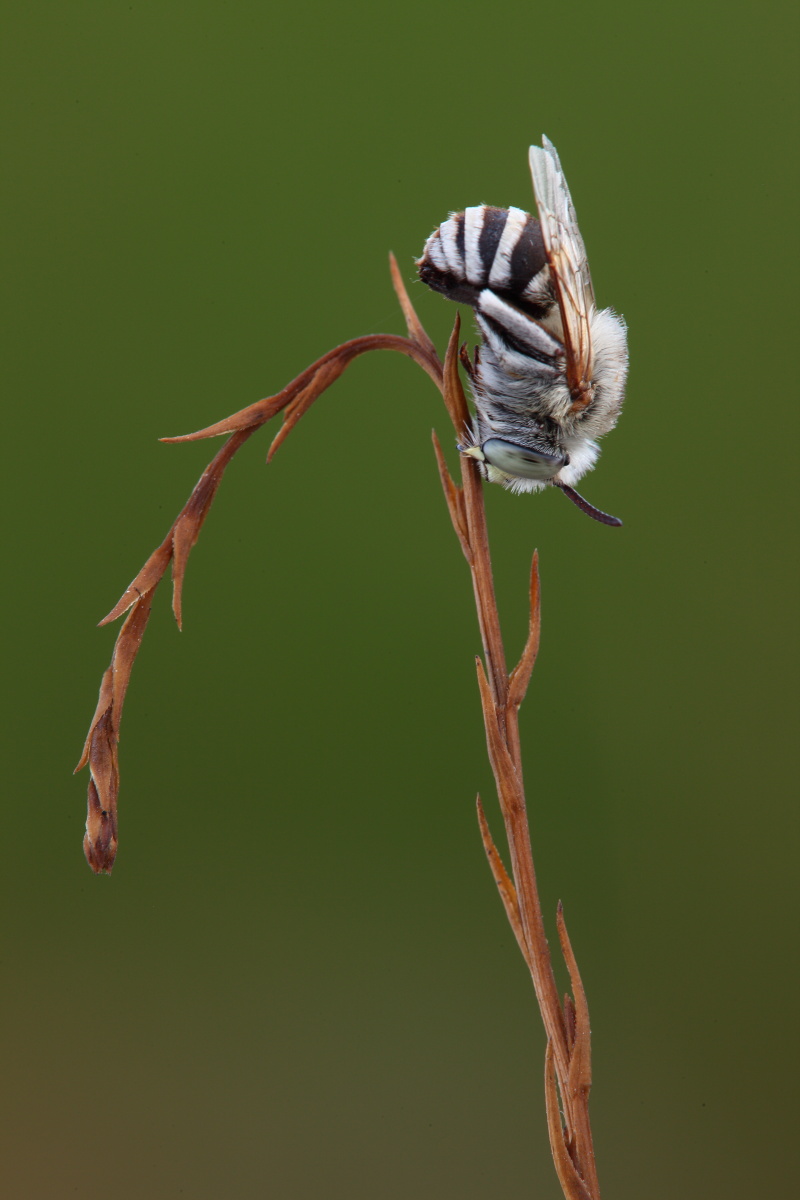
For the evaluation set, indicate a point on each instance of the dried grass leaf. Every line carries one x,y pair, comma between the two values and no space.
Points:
413,324
504,885
144,582
573,1187
521,675
452,390
101,751
251,417
580,1063
505,772
103,703
454,496
300,405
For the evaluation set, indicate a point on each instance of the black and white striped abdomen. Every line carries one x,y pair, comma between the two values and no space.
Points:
494,260
485,247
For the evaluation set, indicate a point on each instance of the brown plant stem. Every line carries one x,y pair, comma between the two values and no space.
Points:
501,697
567,1062
101,751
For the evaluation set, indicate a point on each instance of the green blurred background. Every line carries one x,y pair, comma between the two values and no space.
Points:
298,981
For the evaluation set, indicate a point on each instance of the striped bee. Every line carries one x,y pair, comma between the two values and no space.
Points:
550,374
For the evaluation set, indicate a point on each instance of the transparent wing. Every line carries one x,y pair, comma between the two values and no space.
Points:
569,267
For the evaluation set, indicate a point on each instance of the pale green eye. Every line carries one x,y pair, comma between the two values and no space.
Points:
520,461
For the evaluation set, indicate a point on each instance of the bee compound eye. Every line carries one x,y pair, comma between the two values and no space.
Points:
522,462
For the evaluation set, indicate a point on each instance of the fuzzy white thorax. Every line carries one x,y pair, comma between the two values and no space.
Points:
511,392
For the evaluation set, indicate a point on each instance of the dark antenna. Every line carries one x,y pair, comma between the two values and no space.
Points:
589,509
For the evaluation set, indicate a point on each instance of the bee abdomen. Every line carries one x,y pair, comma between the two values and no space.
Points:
486,247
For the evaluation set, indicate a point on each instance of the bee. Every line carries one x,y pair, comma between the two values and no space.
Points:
549,376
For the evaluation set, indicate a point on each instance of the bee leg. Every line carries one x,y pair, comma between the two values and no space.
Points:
463,354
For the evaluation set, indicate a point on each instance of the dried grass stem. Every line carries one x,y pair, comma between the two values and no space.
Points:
567,1061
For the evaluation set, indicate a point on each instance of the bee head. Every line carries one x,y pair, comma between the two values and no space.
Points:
539,463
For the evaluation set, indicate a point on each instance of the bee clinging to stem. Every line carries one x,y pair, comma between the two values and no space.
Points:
549,377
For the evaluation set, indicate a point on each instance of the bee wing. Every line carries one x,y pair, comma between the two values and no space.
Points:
569,267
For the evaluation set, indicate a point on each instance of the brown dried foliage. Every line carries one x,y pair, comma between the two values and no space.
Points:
568,1058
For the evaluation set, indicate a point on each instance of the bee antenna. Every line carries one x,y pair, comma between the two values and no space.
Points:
589,509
